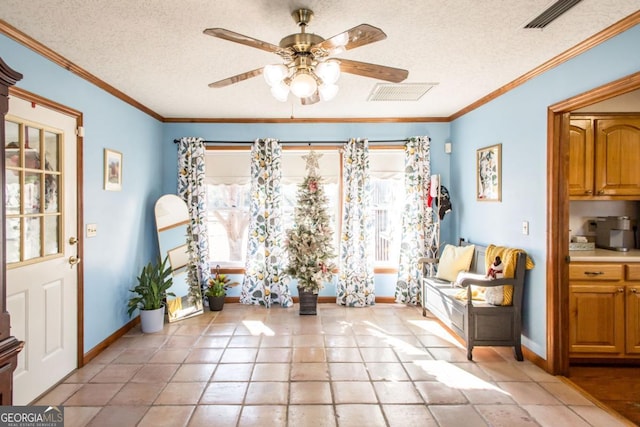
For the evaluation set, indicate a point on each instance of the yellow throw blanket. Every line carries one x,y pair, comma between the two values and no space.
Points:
509,257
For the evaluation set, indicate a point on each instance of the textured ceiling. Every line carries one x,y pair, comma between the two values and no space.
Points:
155,51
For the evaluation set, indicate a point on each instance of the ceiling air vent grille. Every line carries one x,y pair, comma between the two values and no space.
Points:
551,13
399,91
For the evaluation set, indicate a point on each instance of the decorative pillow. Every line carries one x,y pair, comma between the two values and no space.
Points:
453,260
495,295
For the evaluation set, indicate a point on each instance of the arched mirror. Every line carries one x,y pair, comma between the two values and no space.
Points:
172,219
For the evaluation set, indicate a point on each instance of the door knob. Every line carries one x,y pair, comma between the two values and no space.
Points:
73,260
73,240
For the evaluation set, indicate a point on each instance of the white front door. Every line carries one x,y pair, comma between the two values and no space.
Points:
41,215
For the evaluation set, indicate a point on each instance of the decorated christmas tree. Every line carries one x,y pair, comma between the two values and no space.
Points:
310,241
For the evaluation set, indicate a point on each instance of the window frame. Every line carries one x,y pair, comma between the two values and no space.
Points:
376,269
22,169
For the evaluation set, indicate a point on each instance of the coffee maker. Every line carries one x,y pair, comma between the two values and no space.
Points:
615,232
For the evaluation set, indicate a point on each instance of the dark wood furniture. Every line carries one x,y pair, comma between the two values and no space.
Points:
9,345
476,322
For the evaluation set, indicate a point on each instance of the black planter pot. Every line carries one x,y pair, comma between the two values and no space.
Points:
216,303
308,302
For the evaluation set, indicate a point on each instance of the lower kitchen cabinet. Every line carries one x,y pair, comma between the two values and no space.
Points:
604,306
633,308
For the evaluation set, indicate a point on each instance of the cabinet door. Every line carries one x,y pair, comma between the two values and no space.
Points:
596,319
581,155
617,157
633,319
633,308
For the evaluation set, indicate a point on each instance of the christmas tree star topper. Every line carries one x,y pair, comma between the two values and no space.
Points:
312,162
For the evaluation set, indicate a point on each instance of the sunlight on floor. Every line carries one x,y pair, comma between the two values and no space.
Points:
257,327
435,329
454,377
443,371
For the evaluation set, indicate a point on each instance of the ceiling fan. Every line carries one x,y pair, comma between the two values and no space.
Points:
308,69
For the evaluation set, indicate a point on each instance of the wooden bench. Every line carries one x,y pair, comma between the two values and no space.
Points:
478,323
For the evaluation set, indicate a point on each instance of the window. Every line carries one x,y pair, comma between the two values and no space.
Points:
228,201
34,216
387,200
228,184
294,172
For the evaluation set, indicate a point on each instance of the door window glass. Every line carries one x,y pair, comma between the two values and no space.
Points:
32,191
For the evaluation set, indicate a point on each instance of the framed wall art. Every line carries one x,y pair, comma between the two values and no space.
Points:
112,170
489,173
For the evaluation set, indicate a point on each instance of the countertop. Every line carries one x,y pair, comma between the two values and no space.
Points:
605,255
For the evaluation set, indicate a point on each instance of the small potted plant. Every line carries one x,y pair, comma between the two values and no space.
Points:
217,289
152,289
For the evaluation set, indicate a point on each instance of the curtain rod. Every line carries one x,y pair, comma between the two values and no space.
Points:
309,143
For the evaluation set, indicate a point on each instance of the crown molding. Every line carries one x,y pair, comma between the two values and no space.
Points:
613,30
604,35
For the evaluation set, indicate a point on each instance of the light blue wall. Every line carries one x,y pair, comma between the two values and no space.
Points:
439,133
518,120
126,238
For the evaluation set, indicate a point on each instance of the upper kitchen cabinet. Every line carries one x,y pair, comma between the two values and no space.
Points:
617,160
581,156
604,157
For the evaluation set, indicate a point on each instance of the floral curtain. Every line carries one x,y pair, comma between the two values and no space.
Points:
192,189
264,283
355,286
419,234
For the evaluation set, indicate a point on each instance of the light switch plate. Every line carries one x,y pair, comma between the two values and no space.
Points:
92,230
525,228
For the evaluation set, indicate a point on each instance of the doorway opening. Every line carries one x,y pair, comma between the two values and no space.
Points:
558,215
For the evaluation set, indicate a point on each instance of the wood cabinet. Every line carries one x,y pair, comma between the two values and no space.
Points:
633,308
604,310
581,157
604,157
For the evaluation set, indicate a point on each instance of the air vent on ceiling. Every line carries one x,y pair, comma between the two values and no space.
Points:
399,91
551,13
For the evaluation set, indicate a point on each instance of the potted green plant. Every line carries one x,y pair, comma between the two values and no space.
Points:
217,289
152,289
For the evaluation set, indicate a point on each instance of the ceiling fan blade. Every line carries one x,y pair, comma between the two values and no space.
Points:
242,39
310,99
375,71
237,78
357,36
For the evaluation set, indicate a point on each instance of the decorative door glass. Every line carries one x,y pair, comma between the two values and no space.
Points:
33,176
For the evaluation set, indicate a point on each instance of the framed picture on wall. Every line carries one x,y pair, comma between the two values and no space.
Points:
112,170
489,174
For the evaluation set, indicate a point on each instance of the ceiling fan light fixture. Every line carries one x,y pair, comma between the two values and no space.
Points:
328,71
280,91
275,73
303,84
309,70
327,91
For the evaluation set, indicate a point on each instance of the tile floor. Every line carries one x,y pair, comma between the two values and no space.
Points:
384,365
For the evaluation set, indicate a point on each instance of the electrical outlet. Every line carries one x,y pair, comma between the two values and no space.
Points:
92,230
525,228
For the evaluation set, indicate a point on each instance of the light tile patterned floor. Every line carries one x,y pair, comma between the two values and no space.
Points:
384,365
